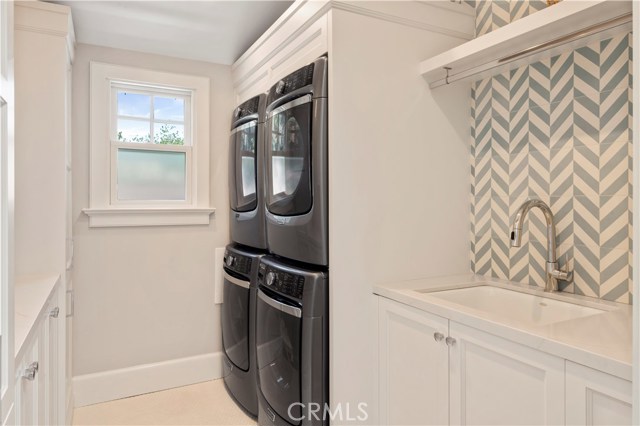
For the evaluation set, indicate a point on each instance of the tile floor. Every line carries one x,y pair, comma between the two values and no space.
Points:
205,403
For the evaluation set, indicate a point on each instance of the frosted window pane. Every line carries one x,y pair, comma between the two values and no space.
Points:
248,176
133,131
151,175
168,134
165,108
134,104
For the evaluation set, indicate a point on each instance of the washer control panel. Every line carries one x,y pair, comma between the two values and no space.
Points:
283,282
247,108
294,81
237,262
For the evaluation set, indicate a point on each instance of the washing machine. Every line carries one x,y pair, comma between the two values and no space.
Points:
296,165
246,174
292,338
238,324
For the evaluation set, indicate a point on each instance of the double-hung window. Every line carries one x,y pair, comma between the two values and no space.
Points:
149,147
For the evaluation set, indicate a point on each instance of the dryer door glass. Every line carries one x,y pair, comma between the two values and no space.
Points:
278,342
235,322
243,167
288,158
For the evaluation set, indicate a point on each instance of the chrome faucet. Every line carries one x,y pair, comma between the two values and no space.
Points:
554,273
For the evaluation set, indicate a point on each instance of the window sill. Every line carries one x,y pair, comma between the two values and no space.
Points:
117,217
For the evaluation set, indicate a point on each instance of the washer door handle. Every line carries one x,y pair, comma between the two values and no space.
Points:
236,281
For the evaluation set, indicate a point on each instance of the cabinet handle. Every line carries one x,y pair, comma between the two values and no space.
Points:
54,312
30,371
438,337
450,341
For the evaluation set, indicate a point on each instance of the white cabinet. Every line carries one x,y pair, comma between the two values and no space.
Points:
278,55
44,48
462,375
495,381
28,382
596,398
414,381
37,372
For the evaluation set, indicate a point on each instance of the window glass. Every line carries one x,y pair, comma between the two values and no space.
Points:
151,175
133,131
168,134
166,108
134,104
150,118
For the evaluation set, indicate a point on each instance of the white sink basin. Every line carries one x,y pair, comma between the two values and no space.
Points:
514,305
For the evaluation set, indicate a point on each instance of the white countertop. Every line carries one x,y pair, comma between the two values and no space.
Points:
602,341
30,297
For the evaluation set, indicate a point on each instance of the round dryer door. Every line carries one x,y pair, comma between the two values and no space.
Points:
278,343
289,191
235,321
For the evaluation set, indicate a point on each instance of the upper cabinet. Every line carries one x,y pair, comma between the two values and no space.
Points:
44,48
567,25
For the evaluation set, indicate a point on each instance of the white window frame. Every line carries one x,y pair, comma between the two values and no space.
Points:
105,210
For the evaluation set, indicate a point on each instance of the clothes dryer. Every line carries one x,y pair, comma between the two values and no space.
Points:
296,165
292,343
246,174
238,317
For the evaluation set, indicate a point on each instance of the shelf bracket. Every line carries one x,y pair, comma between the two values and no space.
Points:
446,78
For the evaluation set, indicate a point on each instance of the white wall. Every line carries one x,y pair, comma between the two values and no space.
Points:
399,184
145,295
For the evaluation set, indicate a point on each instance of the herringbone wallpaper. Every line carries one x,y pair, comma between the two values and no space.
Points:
558,130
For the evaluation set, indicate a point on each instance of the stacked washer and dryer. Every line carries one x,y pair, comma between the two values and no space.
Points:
275,307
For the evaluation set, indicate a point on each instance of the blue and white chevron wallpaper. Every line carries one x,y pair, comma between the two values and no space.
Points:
558,130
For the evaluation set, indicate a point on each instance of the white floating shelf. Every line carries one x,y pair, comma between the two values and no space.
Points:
567,25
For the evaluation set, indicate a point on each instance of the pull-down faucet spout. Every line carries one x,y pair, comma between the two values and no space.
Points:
553,272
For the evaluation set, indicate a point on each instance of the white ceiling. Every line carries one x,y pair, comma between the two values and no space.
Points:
212,31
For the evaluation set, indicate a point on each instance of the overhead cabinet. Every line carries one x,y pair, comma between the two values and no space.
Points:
44,47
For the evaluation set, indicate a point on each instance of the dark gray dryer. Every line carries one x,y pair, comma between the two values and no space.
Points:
238,324
246,174
296,165
292,343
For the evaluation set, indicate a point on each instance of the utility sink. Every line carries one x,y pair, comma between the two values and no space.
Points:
513,305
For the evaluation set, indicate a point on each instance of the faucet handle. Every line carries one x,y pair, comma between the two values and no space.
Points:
561,275
565,274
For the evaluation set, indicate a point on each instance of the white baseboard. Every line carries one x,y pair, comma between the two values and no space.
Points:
116,384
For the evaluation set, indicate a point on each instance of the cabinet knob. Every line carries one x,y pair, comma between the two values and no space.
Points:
54,312
30,372
438,337
450,341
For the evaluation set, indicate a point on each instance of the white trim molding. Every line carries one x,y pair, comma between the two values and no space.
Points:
105,218
103,210
454,20
47,18
140,379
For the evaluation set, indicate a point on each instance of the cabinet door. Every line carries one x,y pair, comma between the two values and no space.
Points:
44,372
499,382
596,398
414,383
52,396
27,389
